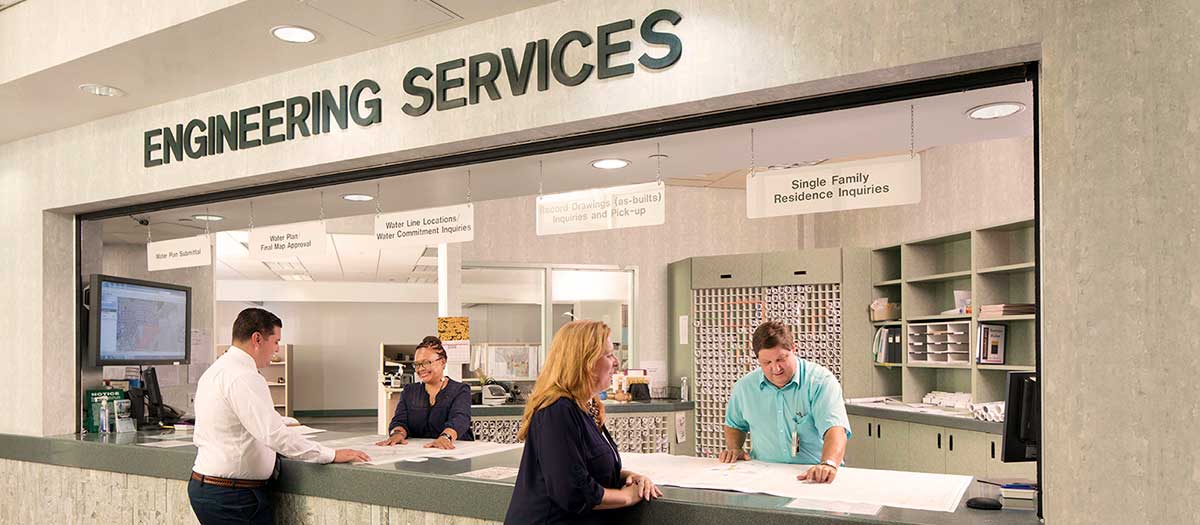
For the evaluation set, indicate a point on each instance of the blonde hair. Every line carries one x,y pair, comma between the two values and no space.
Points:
576,348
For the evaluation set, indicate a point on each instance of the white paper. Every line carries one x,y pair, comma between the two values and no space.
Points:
305,430
301,239
684,328
449,224
168,375
415,449
166,444
172,436
835,506
492,473
910,490
680,427
871,183
202,351
657,371
179,253
602,209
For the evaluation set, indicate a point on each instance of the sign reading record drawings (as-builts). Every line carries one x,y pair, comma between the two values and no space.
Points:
872,183
448,224
602,209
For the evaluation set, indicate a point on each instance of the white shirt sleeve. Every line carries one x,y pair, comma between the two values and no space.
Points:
250,399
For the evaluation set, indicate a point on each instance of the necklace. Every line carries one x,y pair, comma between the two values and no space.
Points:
441,385
594,411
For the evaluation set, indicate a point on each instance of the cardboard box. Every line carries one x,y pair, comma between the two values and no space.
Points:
888,312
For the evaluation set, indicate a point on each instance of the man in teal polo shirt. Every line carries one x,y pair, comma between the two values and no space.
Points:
793,407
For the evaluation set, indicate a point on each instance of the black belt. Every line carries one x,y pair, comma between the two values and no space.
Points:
229,483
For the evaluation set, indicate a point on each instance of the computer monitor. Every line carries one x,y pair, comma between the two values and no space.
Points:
133,322
1022,418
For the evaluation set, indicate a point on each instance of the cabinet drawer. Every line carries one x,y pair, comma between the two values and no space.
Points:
727,271
802,267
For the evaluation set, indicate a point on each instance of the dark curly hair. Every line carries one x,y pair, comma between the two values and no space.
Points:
434,344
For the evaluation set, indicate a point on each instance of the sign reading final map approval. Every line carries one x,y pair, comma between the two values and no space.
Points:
179,253
301,239
602,209
872,183
448,224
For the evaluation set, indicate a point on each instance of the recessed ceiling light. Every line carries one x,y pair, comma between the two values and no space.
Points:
101,90
296,277
208,218
610,164
294,34
995,110
358,197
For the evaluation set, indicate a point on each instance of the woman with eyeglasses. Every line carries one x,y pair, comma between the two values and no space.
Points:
571,469
435,407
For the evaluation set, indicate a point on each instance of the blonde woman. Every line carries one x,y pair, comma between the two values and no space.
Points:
571,470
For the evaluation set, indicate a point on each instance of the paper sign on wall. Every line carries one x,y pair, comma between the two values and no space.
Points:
179,253
872,183
302,239
449,224
602,209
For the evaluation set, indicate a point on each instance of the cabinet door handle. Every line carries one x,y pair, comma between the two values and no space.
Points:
727,276
951,442
879,430
800,272
868,430
939,440
993,450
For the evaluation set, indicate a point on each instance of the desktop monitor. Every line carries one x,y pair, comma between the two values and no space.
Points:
154,401
1022,418
133,322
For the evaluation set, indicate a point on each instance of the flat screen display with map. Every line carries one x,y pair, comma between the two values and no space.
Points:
137,322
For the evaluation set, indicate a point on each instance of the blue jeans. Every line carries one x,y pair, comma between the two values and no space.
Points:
215,505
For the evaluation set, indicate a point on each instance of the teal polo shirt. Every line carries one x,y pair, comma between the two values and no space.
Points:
810,404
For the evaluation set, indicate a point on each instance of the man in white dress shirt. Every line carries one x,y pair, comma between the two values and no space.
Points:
238,432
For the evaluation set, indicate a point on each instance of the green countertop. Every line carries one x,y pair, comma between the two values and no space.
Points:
612,407
434,487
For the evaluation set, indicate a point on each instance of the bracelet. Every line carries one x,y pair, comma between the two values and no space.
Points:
829,463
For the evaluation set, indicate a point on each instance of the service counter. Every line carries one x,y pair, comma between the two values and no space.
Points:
94,478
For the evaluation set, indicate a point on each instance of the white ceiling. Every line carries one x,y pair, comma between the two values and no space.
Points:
716,158
225,48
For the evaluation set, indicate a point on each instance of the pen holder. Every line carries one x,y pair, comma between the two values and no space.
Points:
640,391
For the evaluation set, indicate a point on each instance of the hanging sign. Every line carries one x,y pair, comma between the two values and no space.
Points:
602,209
301,239
179,253
425,227
873,183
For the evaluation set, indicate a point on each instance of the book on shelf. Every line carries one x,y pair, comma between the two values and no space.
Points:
991,344
887,344
997,310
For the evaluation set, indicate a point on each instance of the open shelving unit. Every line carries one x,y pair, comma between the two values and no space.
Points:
279,378
997,265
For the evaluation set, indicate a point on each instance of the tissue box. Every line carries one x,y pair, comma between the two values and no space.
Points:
887,312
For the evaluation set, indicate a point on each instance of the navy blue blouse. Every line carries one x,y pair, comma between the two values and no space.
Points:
452,410
567,464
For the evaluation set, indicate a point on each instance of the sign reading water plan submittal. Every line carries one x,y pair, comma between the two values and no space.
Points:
872,183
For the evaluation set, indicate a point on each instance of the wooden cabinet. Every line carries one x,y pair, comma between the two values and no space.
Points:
997,469
891,444
927,449
802,267
966,452
727,271
860,449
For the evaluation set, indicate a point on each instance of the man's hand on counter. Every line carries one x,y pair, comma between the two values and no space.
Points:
733,456
821,473
346,455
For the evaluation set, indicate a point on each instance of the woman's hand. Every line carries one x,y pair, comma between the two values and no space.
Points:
646,489
441,442
399,437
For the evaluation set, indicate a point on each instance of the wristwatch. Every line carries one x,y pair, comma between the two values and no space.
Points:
447,436
830,463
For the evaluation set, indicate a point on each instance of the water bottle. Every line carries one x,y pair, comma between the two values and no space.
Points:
103,417
683,389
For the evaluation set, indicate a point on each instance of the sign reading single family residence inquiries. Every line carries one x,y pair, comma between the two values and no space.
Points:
448,224
179,253
301,239
872,183
602,209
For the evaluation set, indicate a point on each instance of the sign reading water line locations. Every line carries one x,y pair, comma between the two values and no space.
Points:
872,183
602,209
179,253
301,239
447,224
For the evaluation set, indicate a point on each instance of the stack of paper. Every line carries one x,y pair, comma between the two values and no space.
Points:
997,310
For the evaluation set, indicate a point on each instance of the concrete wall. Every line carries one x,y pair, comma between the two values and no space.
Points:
955,179
129,260
1118,132
335,357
